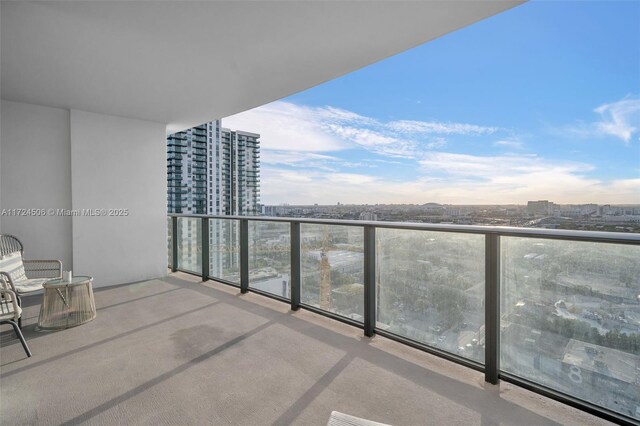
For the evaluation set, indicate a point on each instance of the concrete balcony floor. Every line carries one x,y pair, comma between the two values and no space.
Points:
178,351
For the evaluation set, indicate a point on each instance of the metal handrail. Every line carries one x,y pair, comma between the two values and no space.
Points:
506,231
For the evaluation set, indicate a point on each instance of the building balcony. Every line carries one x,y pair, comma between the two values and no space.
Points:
508,302
175,150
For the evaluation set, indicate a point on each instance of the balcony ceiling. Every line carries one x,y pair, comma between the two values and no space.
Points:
184,63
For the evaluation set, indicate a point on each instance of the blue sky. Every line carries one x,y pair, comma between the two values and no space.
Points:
539,102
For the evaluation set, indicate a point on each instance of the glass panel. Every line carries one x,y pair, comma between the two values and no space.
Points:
430,288
332,269
190,244
224,249
270,257
571,318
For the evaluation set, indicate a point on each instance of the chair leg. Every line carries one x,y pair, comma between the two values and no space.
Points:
16,328
19,304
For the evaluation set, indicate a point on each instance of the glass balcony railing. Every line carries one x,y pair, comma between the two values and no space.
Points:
270,257
431,289
189,250
557,312
224,250
332,269
570,318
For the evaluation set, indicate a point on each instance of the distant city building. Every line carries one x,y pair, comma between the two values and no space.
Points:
433,208
368,216
454,211
618,218
540,207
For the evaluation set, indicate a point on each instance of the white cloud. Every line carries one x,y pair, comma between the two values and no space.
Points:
375,141
500,168
437,143
509,143
454,178
286,126
429,127
302,160
620,118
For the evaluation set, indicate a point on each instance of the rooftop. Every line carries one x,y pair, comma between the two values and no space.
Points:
180,350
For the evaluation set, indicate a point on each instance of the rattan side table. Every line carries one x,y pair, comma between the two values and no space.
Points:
66,304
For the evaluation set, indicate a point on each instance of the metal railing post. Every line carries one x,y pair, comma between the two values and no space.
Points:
369,280
244,255
295,266
492,308
174,243
205,248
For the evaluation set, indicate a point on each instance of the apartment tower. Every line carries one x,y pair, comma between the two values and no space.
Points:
213,171
240,172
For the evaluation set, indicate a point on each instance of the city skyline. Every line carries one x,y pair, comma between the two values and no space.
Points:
515,108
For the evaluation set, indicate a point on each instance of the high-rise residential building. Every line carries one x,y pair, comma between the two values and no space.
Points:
191,160
240,172
213,171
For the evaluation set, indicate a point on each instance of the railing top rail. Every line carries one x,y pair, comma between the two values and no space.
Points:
507,231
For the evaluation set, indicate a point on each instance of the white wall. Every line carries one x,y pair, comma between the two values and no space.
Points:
59,159
35,172
119,163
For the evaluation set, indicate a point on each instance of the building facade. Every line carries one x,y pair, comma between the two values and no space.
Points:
191,161
240,173
213,171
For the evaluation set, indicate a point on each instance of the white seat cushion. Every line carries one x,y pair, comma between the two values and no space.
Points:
12,264
27,286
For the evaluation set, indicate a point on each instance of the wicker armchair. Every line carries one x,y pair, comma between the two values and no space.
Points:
10,313
23,276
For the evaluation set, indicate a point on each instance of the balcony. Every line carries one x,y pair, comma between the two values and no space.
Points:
510,302
173,150
178,350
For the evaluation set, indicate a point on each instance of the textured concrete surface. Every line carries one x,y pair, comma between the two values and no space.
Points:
177,351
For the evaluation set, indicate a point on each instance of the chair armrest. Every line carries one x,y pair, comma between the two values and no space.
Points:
43,268
8,296
6,283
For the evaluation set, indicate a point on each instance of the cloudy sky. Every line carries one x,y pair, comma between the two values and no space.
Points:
540,102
